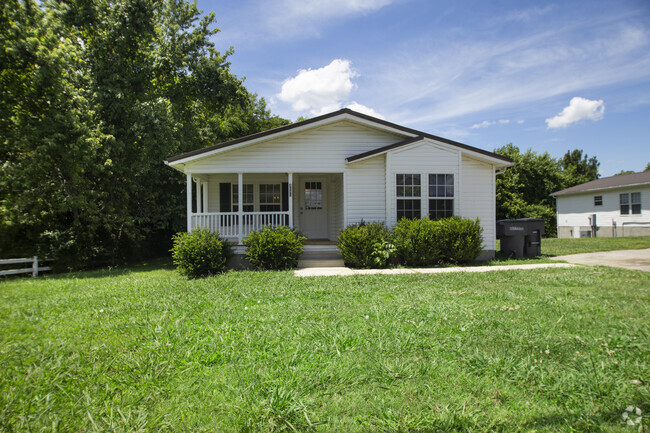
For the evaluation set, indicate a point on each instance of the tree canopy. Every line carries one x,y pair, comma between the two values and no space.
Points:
524,190
95,94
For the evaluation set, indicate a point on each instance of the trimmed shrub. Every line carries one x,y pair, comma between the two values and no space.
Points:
417,242
200,253
274,248
366,245
424,242
461,239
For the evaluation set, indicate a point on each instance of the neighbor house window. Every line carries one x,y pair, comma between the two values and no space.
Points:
248,197
636,202
409,192
598,200
441,196
624,200
270,197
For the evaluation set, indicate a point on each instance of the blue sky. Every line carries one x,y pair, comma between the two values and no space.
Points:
542,75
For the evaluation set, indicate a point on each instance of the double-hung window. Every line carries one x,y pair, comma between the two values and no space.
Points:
598,200
624,201
270,197
248,197
409,193
635,198
441,196
630,201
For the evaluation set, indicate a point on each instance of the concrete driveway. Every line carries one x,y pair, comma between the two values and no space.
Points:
628,259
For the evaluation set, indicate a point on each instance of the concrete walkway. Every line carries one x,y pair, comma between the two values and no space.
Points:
628,259
344,272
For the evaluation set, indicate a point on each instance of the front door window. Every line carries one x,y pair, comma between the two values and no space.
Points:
313,195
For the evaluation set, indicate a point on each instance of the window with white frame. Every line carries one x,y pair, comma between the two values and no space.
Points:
635,198
441,196
624,201
270,197
248,197
409,193
598,200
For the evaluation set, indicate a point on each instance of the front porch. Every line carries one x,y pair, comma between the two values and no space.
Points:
235,204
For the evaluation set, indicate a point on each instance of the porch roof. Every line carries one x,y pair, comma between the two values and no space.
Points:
414,135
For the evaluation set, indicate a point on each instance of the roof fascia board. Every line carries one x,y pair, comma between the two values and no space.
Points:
444,146
592,190
252,141
425,140
288,131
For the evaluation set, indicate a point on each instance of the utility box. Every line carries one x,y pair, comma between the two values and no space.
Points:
521,237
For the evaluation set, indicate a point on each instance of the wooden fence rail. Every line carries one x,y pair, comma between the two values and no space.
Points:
34,269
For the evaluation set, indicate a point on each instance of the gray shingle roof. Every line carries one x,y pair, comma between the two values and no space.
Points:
619,181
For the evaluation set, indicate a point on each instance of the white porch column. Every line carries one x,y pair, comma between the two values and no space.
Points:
205,197
290,199
189,203
240,206
198,196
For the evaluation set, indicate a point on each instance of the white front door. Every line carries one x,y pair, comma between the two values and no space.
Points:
313,207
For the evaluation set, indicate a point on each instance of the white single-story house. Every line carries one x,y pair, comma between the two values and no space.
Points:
325,173
607,207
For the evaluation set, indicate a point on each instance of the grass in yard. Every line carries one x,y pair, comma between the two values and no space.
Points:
560,247
146,350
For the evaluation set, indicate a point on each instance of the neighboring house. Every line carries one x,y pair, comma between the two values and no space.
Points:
328,172
620,204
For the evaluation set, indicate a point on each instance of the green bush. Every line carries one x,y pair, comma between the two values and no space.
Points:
200,253
366,245
424,242
461,239
417,242
276,248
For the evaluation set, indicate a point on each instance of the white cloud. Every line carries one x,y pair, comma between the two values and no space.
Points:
363,109
294,17
577,110
486,123
483,124
319,90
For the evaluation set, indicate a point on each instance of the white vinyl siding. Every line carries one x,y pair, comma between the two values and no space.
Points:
320,150
575,210
366,197
478,197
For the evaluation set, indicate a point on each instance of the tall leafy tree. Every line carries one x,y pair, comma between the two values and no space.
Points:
523,191
95,94
577,168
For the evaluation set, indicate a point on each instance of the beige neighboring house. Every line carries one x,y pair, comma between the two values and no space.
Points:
325,173
607,207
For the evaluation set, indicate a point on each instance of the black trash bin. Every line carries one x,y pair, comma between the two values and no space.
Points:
521,237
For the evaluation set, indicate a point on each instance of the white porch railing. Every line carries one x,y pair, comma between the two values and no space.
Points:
227,223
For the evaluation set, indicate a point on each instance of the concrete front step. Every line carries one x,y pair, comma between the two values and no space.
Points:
320,259
332,263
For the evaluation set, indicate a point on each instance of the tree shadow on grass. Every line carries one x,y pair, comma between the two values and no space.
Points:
157,264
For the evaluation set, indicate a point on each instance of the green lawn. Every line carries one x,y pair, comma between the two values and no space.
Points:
146,350
560,247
